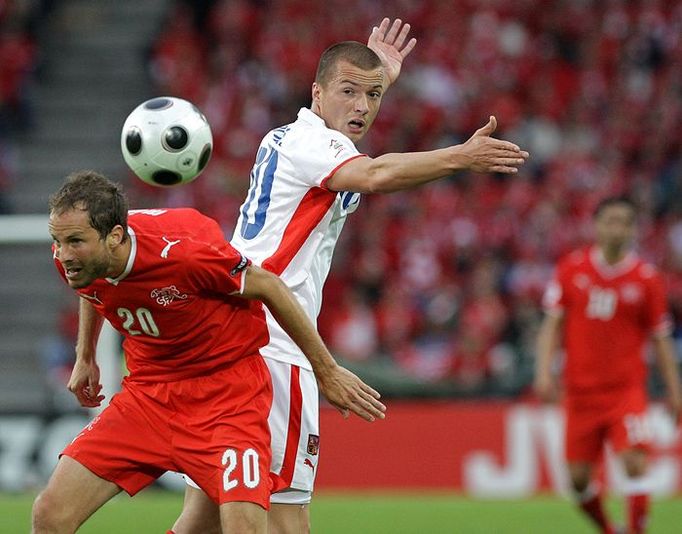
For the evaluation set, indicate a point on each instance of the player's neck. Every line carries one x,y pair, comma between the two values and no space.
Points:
612,256
119,260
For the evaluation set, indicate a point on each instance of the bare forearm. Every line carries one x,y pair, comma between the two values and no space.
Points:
290,315
396,172
667,364
89,326
546,347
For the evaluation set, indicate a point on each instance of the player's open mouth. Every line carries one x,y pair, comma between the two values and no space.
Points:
73,272
356,124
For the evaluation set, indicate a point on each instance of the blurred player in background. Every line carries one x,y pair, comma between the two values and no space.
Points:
607,302
198,393
307,177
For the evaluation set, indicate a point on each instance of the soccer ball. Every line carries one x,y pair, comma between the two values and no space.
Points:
166,141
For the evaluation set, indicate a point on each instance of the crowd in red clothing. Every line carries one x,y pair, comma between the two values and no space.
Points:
445,281
17,62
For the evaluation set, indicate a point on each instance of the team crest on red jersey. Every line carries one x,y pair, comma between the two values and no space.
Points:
313,444
166,295
631,292
581,280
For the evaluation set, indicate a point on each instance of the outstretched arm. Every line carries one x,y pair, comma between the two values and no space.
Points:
345,391
387,40
84,381
394,172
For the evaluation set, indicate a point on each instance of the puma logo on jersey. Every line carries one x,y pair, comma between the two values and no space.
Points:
164,252
309,464
92,297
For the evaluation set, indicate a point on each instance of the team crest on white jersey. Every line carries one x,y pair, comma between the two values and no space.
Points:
313,445
166,295
336,146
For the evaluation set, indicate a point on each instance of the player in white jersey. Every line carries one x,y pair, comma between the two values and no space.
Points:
289,224
306,179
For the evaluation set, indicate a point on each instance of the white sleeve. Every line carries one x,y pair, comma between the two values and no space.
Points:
316,156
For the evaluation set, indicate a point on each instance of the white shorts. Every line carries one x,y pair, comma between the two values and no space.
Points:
294,432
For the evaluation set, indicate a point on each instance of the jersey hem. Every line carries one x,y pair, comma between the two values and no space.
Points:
298,361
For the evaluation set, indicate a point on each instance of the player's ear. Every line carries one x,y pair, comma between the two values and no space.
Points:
316,92
115,237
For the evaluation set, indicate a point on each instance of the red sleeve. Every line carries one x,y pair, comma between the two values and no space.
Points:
555,296
657,315
214,264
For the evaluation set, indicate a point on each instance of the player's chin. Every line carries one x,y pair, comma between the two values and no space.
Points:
79,283
355,135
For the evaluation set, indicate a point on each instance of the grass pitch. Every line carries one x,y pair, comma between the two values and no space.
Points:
154,511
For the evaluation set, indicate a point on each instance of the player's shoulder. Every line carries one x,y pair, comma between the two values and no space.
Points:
309,128
166,214
574,259
277,135
169,221
306,126
647,270
308,145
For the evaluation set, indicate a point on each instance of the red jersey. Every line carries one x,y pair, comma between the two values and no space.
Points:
609,313
172,303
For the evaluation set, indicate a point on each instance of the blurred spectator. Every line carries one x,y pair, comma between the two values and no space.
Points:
18,59
58,356
354,334
428,357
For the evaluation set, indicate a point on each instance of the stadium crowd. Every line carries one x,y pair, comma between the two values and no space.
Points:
437,290
442,285
18,59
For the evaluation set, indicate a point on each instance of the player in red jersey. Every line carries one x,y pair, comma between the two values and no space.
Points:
609,303
198,393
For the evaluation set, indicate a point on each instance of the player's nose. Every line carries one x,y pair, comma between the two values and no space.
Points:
362,104
64,254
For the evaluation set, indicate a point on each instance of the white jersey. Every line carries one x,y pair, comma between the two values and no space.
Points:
289,223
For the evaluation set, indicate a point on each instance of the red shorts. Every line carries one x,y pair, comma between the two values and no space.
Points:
591,420
214,428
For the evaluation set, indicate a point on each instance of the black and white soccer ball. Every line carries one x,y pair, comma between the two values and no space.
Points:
166,141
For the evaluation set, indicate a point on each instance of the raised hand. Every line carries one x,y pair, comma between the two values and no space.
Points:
487,154
347,393
386,41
